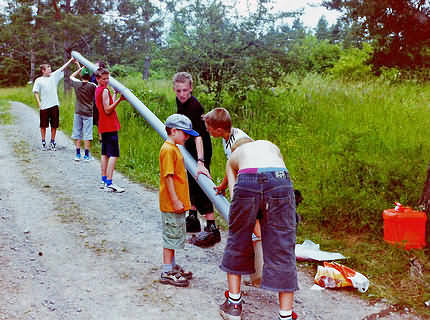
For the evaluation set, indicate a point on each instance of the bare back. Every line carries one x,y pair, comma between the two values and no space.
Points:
257,154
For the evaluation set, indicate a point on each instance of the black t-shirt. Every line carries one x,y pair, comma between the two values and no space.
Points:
194,110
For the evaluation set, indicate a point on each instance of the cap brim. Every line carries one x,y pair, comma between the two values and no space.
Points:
191,132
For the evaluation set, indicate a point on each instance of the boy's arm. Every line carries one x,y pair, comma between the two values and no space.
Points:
231,173
74,74
220,189
177,204
65,65
36,95
109,108
201,158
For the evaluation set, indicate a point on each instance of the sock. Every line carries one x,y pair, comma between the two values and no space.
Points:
192,213
43,141
104,178
52,141
87,152
210,223
108,182
78,151
167,267
234,297
285,315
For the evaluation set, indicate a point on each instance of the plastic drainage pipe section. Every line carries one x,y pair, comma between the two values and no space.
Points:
219,201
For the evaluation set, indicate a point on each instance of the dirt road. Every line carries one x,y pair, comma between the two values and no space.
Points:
69,250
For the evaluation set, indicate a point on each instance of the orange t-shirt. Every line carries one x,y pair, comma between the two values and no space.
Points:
172,163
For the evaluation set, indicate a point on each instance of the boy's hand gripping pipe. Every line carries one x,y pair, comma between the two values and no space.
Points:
219,201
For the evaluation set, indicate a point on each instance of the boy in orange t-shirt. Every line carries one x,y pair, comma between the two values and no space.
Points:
174,198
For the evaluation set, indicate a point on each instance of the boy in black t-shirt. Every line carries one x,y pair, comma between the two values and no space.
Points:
200,149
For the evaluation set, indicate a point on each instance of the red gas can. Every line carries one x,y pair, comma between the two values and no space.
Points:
405,226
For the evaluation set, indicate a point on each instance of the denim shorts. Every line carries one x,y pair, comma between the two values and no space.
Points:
269,197
82,127
174,230
110,144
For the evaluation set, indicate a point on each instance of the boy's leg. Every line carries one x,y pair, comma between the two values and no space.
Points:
286,300
110,167
233,281
103,165
44,123
168,255
232,307
43,133
173,238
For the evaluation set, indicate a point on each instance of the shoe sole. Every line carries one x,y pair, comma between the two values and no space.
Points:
173,283
226,316
113,191
194,241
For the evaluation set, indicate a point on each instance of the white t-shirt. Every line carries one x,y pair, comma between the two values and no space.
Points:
235,135
47,89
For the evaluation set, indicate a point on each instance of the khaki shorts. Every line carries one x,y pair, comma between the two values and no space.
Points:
174,230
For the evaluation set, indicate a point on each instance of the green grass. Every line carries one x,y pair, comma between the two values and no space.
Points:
352,148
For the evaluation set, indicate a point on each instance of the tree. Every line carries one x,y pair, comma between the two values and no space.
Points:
138,29
400,28
224,50
35,31
322,29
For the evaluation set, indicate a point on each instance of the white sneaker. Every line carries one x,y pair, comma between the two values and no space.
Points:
114,188
53,146
77,157
44,148
102,184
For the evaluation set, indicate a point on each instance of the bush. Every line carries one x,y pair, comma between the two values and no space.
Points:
353,64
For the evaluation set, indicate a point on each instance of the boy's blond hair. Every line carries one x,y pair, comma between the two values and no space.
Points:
218,118
183,77
240,142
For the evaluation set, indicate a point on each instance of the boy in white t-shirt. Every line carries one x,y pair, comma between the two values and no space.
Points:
45,92
219,125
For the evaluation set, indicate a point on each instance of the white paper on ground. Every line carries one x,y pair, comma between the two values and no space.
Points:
309,250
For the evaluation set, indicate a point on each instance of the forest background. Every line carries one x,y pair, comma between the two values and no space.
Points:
348,103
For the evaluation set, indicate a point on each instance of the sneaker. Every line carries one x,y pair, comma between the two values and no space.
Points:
186,274
207,238
77,157
173,278
52,146
114,188
229,310
88,158
293,316
193,223
44,148
102,184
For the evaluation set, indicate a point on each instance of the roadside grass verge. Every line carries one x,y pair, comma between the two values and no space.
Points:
352,148
5,116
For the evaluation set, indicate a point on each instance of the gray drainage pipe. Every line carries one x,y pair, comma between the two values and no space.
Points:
219,201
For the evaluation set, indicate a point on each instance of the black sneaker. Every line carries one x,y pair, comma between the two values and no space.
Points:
193,223
207,238
186,274
173,278
230,311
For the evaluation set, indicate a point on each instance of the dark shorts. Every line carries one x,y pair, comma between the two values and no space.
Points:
198,197
110,144
50,116
269,197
